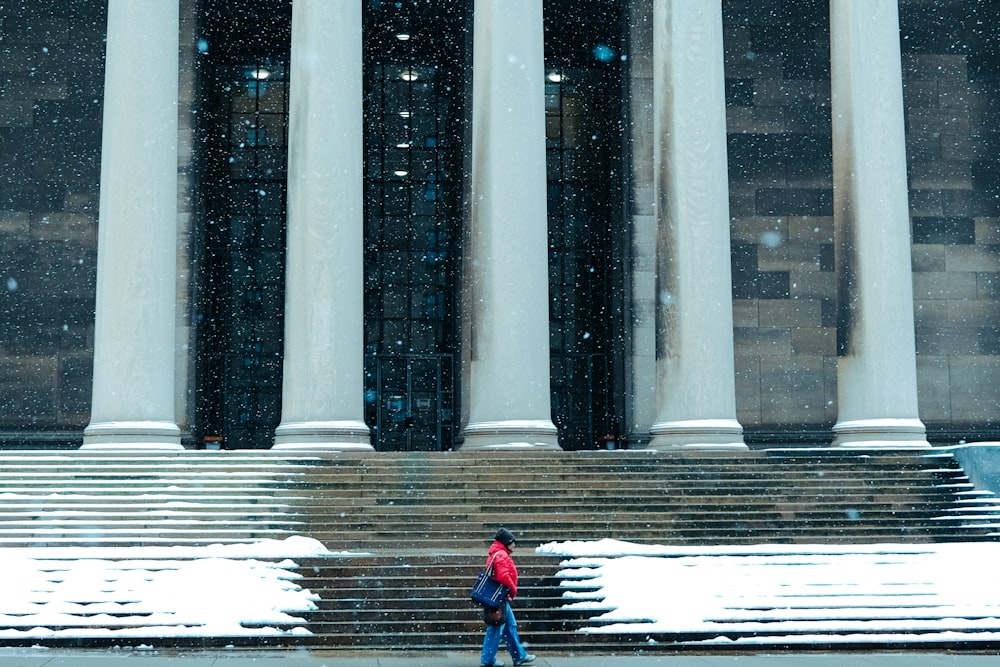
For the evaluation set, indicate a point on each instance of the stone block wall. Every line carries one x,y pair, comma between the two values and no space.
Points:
51,106
951,72
781,208
781,204
51,90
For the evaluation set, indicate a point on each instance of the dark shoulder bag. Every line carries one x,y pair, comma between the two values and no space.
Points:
487,591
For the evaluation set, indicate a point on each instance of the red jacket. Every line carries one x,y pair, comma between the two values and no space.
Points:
504,569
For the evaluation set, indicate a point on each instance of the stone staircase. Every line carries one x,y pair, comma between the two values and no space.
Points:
50,499
409,531
452,502
426,523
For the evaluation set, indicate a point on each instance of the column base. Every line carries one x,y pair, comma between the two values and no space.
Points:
326,435
513,434
697,434
881,434
132,435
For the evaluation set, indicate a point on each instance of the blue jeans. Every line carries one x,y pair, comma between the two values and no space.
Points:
491,642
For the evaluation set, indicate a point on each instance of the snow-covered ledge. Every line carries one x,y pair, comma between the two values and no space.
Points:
981,462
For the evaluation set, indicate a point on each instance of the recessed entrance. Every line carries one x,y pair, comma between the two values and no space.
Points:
417,66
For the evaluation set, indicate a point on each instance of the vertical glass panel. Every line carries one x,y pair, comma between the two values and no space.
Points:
414,97
583,142
243,296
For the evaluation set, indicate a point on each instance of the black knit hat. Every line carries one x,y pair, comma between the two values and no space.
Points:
504,537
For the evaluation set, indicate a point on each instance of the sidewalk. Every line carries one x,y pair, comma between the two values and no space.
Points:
41,657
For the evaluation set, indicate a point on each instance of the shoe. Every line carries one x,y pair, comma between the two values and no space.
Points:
525,660
496,663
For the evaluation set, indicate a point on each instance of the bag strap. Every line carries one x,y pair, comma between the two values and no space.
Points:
489,564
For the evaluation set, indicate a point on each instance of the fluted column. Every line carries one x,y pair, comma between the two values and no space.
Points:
509,401
877,377
322,402
134,347
696,385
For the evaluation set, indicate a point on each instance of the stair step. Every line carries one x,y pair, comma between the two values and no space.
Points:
426,521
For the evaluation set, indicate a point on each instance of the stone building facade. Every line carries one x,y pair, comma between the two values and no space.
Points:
669,128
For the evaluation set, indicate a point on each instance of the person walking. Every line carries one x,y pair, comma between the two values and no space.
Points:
505,572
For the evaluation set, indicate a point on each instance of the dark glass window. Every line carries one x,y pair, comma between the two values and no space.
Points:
244,229
417,68
414,129
584,58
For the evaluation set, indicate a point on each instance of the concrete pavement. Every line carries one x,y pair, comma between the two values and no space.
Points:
42,657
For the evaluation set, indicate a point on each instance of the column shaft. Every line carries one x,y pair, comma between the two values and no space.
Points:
509,402
877,382
323,386
696,392
134,347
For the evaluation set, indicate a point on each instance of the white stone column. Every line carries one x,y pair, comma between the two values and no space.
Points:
509,401
134,346
696,382
877,377
322,403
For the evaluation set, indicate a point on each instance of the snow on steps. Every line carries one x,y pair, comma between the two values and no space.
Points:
123,499
783,595
364,502
397,506
367,603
